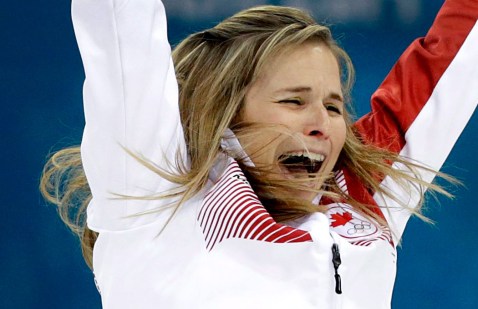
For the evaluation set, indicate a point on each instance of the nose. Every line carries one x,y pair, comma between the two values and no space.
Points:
317,123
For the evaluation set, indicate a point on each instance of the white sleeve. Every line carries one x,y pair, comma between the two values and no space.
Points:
430,95
130,101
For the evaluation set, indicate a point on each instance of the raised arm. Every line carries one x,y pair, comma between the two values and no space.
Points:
428,97
130,101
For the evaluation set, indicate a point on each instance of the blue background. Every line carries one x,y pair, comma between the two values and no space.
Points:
40,93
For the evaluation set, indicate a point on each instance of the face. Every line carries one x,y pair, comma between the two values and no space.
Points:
301,90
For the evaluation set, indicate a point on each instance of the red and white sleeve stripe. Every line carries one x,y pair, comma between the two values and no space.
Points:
426,101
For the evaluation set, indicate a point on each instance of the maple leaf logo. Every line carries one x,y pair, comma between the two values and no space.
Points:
340,219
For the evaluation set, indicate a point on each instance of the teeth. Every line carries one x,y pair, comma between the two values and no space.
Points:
312,156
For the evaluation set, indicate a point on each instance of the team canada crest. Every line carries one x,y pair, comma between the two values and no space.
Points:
354,227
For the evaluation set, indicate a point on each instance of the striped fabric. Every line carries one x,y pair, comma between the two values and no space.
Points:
231,209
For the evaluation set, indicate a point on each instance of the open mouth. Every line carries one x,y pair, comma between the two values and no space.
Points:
301,162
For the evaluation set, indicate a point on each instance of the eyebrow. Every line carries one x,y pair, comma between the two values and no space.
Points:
295,89
301,89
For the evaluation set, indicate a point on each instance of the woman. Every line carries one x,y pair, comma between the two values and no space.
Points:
257,190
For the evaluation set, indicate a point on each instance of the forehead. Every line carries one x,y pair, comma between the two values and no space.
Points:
311,64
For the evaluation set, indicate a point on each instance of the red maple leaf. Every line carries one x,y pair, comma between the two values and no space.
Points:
341,219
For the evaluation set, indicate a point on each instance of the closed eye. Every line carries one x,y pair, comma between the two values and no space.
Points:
334,109
292,101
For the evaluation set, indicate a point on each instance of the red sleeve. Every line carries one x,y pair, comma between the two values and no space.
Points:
409,85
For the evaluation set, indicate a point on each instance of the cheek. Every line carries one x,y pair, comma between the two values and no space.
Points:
271,115
260,145
340,134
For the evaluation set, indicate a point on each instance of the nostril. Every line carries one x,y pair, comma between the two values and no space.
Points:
314,133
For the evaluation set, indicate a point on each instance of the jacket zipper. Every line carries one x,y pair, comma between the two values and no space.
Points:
336,262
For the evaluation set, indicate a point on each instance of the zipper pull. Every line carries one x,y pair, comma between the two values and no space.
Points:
337,261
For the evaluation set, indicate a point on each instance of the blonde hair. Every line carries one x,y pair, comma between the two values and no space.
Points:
214,69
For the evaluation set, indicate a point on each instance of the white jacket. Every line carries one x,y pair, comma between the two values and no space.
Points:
222,249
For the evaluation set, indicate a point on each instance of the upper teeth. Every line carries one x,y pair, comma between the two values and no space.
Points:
310,155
